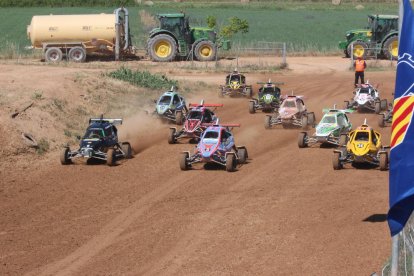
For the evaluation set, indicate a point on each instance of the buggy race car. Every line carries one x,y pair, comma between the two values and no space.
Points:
364,146
329,130
198,118
99,142
366,98
268,99
171,106
385,118
292,112
235,86
216,146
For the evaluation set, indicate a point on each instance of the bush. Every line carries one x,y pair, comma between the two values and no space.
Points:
143,78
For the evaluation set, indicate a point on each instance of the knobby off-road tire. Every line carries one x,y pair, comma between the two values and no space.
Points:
179,117
381,120
360,49
242,154
231,162
346,104
162,48
267,122
183,161
377,107
110,157
343,140
302,140
205,51
64,157
77,54
311,118
53,54
252,108
383,161
384,104
390,48
305,121
336,162
126,148
171,136
249,92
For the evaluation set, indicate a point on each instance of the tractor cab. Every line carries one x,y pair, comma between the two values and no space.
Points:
380,25
177,24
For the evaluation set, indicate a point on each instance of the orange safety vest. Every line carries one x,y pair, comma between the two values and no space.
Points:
359,65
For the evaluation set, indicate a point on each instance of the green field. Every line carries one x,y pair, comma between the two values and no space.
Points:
306,27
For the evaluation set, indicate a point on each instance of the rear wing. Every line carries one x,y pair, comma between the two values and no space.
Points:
275,83
106,120
347,111
205,105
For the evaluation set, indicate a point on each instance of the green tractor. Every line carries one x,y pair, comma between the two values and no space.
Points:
175,38
379,38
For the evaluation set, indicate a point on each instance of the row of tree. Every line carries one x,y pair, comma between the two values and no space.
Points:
65,3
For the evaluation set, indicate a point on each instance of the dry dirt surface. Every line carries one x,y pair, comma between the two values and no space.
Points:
285,212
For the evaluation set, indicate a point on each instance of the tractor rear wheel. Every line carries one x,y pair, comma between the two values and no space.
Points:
336,162
183,161
110,157
205,51
302,140
267,123
381,120
77,54
252,108
390,48
360,49
64,157
162,48
171,136
53,54
179,117
231,162
383,161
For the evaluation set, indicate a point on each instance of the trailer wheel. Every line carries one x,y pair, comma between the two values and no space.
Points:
205,51
390,48
64,157
53,54
111,157
77,54
162,48
231,162
302,140
336,162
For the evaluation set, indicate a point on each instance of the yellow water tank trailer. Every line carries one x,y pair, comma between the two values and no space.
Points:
77,35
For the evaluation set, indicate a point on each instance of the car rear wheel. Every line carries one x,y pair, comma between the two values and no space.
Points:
383,161
126,148
111,157
381,120
384,104
311,118
302,140
64,157
252,108
267,123
343,140
179,117
377,107
304,122
183,161
231,162
242,154
336,162
171,136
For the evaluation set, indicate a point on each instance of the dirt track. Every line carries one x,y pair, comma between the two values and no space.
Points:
286,212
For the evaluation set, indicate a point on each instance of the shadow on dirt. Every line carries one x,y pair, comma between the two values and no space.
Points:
376,218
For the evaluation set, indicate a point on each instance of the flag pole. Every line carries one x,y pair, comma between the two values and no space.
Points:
394,250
